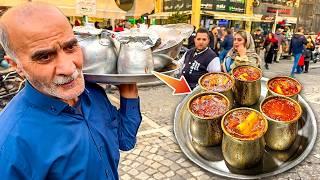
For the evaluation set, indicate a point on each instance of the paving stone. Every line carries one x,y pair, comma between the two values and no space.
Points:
141,159
159,176
126,177
163,169
142,167
175,167
181,172
153,150
158,158
126,162
185,164
180,160
143,176
155,165
133,172
166,162
150,171
126,168
169,174
135,164
132,157
203,177
148,162
151,156
136,151
197,173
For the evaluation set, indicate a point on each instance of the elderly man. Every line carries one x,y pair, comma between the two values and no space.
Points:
59,126
200,59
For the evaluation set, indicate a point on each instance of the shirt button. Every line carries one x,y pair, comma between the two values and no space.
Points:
189,62
53,109
106,172
183,72
101,149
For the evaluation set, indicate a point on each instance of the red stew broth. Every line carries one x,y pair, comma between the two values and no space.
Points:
280,109
216,82
235,118
247,73
284,86
209,106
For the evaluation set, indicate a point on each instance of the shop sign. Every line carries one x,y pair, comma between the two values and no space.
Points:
174,5
268,18
280,11
86,7
233,6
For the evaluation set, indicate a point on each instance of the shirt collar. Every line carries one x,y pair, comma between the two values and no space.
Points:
42,101
200,52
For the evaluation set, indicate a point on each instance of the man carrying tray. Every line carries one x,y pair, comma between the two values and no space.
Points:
59,126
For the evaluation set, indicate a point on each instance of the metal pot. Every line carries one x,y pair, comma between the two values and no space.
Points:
247,93
100,56
206,131
134,60
242,153
228,92
281,134
294,97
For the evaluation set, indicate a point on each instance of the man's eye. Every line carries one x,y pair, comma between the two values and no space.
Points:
44,58
71,47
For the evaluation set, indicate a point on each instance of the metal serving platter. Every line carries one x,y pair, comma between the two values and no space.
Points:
273,162
130,78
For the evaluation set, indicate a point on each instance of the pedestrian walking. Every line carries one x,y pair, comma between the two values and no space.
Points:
59,126
258,41
242,53
271,46
281,44
296,48
308,54
226,43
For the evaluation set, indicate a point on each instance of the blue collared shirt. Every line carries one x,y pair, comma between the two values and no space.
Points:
42,137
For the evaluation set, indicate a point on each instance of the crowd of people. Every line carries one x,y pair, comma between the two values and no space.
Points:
233,48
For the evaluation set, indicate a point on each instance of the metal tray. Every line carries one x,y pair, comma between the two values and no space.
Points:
130,78
273,162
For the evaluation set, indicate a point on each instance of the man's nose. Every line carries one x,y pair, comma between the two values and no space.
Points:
65,64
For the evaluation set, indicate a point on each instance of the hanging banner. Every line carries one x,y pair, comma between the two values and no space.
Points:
86,7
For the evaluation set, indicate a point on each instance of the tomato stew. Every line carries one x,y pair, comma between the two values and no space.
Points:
216,82
209,106
284,86
247,73
245,124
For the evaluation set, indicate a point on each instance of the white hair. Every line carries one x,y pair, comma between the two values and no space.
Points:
5,42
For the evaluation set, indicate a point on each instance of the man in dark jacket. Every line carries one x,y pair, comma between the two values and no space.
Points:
214,39
258,41
226,43
296,48
199,60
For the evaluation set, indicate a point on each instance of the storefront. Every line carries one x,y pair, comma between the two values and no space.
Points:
280,13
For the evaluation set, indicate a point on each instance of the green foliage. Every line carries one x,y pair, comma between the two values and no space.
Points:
178,17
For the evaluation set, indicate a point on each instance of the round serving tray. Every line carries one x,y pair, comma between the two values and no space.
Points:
273,162
130,78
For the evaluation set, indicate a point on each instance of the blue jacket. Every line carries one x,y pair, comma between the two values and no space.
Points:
296,44
227,43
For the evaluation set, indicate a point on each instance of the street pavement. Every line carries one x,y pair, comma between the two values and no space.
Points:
157,154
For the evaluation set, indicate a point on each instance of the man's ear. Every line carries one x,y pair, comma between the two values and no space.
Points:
14,65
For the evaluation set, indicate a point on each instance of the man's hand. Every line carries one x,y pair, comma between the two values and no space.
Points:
128,90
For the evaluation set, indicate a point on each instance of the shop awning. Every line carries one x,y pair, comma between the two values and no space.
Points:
235,16
104,8
165,15
140,7
12,2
